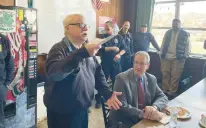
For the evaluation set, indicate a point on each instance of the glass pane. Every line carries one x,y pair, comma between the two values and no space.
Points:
158,34
193,14
163,15
197,40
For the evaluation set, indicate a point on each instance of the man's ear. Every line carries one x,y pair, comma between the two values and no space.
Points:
67,28
148,66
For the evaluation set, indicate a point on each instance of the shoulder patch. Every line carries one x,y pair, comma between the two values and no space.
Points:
116,40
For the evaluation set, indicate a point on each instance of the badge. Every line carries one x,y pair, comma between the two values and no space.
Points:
0,48
146,38
115,41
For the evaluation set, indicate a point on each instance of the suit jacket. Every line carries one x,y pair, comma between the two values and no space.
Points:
129,114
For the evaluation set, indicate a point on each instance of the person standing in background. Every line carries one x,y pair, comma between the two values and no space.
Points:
112,52
111,55
6,73
127,36
175,50
142,40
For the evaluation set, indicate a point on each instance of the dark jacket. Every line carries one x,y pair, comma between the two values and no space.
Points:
6,61
129,113
142,42
72,78
107,57
182,42
128,42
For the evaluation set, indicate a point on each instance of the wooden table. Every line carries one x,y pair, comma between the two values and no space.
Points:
193,99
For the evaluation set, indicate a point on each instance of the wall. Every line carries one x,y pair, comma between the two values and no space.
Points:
121,10
51,15
129,14
113,9
22,3
7,2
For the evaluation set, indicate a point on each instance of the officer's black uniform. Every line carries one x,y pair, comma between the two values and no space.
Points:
142,42
126,60
110,67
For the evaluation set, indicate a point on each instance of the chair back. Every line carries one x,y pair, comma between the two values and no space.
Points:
105,110
185,84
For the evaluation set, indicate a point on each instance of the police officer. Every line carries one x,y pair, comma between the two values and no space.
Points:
111,53
142,40
6,73
126,60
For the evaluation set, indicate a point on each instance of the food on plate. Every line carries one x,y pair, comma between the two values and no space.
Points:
182,111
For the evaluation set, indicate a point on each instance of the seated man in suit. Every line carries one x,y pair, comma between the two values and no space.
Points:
141,97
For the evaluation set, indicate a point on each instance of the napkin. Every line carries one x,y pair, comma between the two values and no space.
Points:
165,119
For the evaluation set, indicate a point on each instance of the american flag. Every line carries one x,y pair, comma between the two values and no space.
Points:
97,4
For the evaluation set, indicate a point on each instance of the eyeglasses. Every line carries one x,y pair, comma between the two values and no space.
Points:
81,25
140,63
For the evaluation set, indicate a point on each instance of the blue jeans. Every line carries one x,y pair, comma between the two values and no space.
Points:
76,119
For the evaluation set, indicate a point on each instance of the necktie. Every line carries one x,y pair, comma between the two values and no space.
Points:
140,94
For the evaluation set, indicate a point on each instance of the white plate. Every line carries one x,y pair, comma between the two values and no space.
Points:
202,124
186,115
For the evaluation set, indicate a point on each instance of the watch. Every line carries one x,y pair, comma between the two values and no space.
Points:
155,107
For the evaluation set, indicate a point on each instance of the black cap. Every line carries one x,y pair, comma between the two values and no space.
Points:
144,25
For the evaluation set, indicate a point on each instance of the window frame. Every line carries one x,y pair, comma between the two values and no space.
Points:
177,15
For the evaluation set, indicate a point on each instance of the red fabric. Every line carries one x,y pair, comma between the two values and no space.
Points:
97,4
140,94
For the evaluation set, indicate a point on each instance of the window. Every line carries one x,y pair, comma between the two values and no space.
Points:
197,41
163,15
192,14
159,34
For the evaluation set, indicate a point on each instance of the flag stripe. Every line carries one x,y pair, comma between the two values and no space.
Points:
97,4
